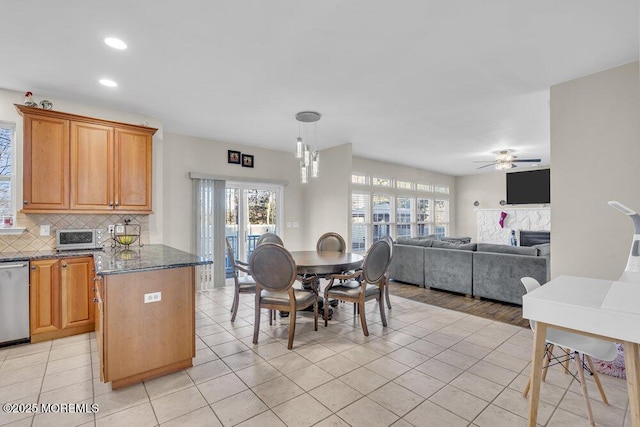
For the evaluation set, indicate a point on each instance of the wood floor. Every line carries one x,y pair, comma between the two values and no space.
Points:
502,312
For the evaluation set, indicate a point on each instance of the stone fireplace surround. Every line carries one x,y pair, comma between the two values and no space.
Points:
517,219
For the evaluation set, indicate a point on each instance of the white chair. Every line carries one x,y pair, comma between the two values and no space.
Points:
573,346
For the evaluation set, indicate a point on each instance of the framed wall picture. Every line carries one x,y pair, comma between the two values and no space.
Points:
247,160
233,157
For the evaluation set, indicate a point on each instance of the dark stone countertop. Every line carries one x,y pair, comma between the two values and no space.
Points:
110,261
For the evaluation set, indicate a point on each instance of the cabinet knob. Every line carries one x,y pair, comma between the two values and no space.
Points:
33,267
25,202
64,265
117,204
96,300
110,204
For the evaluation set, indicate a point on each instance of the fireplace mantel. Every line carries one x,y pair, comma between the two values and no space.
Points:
532,219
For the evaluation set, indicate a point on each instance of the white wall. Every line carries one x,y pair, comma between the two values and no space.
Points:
595,157
8,113
328,197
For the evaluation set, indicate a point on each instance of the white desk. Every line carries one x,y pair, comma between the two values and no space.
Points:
585,306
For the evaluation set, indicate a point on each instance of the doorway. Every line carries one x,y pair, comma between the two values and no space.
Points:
251,209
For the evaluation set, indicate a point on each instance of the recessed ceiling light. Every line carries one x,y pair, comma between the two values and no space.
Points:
108,83
115,43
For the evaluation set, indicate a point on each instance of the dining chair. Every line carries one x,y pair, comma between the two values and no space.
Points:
269,238
275,272
579,348
362,285
389,240
243,284
331,242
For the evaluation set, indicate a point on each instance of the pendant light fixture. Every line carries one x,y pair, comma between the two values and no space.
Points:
306,151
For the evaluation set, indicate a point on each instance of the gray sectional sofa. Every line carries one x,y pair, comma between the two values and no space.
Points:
481,270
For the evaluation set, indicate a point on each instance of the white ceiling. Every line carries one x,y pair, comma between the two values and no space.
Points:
433,84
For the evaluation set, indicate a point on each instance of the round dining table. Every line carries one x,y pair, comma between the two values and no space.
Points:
326,262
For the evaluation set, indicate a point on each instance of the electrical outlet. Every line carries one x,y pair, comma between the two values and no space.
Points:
153,297
45,230
111,227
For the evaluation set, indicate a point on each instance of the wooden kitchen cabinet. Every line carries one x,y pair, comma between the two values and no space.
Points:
77,164
61,298
45,163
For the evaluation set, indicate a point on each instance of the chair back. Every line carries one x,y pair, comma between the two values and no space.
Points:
530,284
272,267
331,242
376,261
231,256
269,238
389,240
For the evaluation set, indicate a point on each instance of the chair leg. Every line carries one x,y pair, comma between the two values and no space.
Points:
256,323
383,316
583,385
234,307
386,294
363,320
325,307
547,361
292,327
596,378
525,393
566,362
315,315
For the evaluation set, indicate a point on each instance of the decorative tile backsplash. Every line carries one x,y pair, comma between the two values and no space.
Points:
30,239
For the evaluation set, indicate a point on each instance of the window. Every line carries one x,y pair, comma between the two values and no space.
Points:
360,179
381,182
404,215
423,187
405,185
359,221
6,168
381,216
442,217
444,189
423,216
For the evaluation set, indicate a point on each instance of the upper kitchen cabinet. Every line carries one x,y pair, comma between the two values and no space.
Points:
85,165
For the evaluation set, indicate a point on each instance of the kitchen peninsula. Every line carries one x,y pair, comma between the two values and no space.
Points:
145,317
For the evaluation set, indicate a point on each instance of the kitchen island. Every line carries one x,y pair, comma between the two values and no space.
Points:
145,316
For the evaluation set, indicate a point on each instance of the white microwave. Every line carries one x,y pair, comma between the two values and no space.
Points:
79,238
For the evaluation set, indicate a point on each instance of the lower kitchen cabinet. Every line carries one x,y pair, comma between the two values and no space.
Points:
61,298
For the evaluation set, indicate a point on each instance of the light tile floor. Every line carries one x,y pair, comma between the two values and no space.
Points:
429,367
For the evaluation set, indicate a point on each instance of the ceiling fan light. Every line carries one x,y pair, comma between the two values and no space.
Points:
500,165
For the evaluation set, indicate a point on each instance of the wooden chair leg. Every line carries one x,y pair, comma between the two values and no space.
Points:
547,361
234,306
256,322
292,327
315,315
386,295
383,316
596,378
583,385
567,360
326,310
525,393
363,319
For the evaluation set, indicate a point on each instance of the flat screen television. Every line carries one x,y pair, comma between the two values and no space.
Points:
529,187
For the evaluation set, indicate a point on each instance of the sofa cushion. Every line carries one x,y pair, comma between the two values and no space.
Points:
544,249
507,249
452,245
414,241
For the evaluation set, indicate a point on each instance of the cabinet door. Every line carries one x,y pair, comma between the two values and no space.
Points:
91,166
77,307
46,163
44,296
99,310
133,170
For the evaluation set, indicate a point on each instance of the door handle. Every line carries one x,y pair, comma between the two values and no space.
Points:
5,266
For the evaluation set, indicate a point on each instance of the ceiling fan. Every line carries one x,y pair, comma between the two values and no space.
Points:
505,160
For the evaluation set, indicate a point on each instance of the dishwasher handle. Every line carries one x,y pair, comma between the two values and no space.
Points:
6,266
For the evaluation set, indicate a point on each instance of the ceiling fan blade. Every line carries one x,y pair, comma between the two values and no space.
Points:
528,160
486,166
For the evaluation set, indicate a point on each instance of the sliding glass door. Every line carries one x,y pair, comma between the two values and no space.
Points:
251,210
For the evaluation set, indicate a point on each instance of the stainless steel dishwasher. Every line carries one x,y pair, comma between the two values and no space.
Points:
14,302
